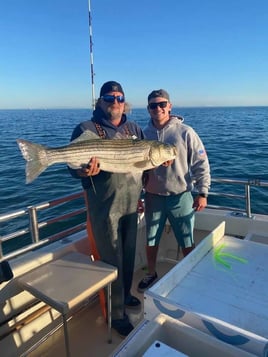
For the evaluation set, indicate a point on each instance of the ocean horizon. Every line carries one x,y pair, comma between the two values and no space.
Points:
235,139
139,107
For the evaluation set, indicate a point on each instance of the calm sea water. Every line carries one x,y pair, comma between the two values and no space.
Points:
235,139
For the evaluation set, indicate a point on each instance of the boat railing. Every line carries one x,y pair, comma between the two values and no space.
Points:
34,225
244,198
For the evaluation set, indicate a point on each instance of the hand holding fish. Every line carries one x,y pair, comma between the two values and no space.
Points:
91,169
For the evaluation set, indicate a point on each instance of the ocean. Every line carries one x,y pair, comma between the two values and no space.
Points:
235,139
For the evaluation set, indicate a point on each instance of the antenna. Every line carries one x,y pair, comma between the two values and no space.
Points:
91,56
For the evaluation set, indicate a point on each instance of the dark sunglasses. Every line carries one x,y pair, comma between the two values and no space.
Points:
159,104
111,98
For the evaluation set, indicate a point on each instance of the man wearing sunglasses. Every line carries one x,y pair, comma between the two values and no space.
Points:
168,187
112,201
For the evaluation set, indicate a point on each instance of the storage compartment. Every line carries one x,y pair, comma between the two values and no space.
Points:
256,237
221,289
165,336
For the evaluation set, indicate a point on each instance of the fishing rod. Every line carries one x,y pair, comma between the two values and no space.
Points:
91,57
95,254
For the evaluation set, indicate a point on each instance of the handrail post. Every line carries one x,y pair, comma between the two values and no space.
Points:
33,224
1,250
247,194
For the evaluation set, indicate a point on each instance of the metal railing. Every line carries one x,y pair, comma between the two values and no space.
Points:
245,197
35,225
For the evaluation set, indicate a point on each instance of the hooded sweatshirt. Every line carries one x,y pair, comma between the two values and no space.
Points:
190,168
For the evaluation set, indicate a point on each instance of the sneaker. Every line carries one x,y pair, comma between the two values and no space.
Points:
122,326
132,302
146,282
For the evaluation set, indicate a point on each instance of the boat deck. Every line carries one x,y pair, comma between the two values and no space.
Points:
87,328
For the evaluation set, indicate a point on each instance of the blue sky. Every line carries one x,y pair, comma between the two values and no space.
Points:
204,53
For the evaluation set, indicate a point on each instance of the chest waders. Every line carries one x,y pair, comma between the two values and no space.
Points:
112,228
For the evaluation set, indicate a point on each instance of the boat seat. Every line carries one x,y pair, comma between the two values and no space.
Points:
66,282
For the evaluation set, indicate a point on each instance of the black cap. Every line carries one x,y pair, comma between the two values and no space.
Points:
158,93
111,86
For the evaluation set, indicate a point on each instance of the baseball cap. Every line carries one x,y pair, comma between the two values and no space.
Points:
158,93
111,86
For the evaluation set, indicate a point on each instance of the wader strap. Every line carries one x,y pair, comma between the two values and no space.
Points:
102,134
127,131
100,130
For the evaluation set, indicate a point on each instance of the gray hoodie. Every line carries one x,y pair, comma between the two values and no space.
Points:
191,167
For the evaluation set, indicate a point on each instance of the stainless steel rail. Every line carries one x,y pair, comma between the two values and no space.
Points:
246,197
34,225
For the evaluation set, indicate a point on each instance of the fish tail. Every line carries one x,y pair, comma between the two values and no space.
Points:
36,157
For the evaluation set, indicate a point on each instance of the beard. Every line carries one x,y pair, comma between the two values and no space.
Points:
114,112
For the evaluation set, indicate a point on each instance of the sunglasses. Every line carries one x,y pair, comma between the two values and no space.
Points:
111,98
159,104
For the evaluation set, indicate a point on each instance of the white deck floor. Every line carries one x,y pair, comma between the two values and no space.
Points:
87,329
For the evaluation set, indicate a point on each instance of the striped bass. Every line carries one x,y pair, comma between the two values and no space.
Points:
114,155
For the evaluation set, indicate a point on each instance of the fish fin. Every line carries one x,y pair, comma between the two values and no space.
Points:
86,135
119,135
75,167
35,155
141,164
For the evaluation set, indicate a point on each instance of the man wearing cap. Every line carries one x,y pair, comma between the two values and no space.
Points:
112,201
168,187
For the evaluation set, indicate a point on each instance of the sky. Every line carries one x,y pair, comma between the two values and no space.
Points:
203,52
